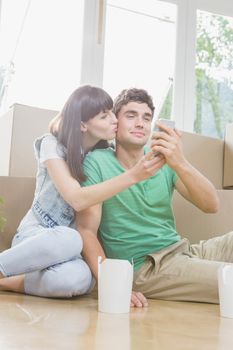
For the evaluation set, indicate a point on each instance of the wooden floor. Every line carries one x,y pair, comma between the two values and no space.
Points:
36,323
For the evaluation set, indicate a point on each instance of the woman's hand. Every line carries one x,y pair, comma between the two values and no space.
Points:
147,166
138,300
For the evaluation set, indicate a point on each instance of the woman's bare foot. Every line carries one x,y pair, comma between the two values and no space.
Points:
12,284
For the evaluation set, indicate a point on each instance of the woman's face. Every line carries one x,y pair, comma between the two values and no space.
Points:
103,126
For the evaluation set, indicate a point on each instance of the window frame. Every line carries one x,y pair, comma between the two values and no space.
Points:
185,80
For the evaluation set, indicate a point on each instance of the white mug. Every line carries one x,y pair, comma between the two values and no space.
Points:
115,279
225,287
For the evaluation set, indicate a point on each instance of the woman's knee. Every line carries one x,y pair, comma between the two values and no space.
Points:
70,238
61,281
71,280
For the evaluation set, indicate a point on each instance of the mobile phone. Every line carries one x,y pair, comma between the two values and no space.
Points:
167,122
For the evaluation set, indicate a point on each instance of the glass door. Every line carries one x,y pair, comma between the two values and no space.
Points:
214,73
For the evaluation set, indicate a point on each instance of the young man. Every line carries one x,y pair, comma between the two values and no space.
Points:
138,223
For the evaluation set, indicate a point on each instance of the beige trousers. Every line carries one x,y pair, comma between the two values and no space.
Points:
185,272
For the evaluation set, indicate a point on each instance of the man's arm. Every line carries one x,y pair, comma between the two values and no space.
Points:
197,189
191,184
87,222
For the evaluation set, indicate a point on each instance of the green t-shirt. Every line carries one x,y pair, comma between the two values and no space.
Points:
138,221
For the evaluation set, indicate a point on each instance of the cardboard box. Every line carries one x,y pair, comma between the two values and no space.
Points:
18,129
228,157
206,154
195,225
18,195
22,124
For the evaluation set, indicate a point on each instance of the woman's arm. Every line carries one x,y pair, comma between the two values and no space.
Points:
81,198
87,223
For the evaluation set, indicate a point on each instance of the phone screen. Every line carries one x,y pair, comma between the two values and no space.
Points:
167,122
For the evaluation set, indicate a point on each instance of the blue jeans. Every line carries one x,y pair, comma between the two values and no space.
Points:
51,260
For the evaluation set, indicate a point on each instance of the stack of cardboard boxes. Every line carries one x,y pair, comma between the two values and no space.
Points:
22,124
213,158
18,129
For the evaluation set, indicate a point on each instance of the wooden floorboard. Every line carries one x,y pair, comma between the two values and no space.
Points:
28,322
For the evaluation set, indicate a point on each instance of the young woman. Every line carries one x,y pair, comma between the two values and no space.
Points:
45,257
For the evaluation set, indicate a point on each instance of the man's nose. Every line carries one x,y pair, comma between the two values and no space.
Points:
139,122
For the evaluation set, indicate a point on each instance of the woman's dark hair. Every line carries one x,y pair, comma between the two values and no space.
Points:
83,104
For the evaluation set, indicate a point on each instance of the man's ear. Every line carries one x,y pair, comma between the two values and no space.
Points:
83,127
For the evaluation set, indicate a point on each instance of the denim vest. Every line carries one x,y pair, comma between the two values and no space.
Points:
48,206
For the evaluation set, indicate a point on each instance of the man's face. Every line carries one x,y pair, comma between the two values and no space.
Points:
134,124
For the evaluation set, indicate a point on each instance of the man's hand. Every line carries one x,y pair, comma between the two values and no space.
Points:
167,142
138,300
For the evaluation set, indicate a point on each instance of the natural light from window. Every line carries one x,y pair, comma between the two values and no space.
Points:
214,74
41,47
140,43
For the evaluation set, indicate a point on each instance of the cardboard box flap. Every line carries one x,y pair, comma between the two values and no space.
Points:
228,157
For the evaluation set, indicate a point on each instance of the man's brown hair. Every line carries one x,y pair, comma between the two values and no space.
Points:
132,95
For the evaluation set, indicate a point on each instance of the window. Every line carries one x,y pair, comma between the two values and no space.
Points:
214,73
140,45
41,46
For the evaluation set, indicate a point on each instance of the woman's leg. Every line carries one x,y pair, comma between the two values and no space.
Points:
60,281
63,280
48,247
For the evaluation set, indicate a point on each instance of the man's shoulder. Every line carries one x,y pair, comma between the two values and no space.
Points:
99,154
96,164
